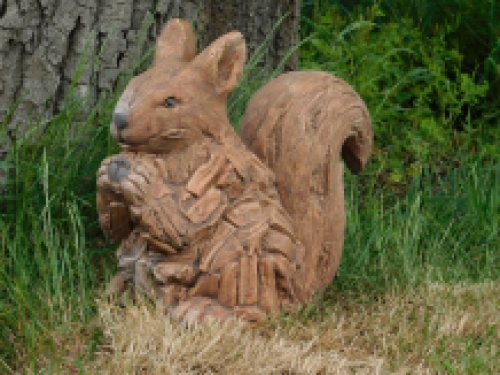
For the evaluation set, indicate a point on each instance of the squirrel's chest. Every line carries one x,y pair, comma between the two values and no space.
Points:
194,192
184,218
190,197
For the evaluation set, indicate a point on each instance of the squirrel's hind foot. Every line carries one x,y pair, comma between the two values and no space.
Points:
203,309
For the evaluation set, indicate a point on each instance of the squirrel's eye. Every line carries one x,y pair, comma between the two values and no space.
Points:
170,101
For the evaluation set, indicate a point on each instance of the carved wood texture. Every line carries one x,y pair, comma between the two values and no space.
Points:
212,225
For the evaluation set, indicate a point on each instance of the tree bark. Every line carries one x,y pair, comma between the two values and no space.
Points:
42,42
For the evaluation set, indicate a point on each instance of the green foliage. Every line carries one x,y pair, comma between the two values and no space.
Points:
427,106
471,26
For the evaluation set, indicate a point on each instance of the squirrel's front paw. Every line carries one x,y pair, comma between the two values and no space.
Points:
119,169
113,170
131,179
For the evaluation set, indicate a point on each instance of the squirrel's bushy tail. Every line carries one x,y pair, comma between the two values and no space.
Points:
300,124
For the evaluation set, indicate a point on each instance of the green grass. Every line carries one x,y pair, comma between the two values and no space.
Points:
444,228
51,264
427,210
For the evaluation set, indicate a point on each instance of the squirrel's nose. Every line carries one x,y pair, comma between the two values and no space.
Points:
120,120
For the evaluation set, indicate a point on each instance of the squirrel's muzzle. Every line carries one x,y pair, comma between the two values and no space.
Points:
120,120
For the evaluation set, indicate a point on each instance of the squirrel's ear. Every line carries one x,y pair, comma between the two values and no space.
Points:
223,62
176,43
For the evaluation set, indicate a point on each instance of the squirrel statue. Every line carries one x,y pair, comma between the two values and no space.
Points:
212,224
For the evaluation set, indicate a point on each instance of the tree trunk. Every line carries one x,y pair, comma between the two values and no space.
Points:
42,42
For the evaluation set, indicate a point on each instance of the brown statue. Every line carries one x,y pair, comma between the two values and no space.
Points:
214,225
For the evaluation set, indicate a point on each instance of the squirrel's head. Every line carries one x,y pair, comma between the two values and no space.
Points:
183,96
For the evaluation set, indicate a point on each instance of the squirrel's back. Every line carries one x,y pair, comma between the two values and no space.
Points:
300,124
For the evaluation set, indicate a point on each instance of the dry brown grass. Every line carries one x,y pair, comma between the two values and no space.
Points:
143,342
437,328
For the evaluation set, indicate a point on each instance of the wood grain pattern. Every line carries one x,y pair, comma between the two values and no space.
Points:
212,225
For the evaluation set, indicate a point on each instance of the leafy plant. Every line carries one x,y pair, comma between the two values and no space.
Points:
424,100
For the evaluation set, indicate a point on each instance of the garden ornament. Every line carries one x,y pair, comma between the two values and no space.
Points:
212,224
